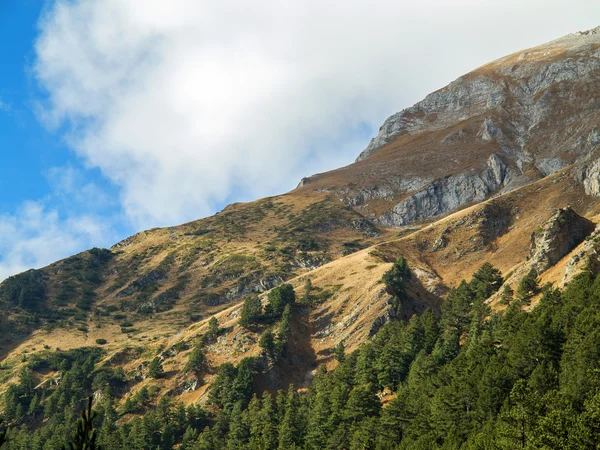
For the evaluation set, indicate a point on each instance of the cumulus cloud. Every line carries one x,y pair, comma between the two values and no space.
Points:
36,236
186,104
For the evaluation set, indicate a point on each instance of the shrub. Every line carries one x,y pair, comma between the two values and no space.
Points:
101,341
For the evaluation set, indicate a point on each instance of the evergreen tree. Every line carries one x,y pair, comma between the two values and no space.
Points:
196,360
155,368
251,311
213,326
189,439
362,402
528,286
267,342
507,295
306,298
239,432
486,281
289,433
206,441
396,278
340,352
457,307
281,296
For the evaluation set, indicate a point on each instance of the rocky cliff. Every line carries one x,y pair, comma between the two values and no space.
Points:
502,126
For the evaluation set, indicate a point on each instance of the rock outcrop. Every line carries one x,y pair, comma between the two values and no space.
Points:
587,253
562,233
448,193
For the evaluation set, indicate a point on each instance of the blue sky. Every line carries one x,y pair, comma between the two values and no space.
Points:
28,150
122,115
36,162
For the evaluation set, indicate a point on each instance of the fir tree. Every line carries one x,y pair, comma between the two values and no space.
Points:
155,368
340,352
213,326
196,360
281,296
267,342
251,311
396,278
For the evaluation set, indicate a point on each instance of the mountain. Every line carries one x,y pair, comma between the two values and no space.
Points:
500,167
504,125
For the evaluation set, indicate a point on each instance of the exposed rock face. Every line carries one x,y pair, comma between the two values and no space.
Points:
504,125
481,92
447,194
561,234
589,175
588,250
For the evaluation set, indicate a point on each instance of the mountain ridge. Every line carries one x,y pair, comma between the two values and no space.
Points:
465,190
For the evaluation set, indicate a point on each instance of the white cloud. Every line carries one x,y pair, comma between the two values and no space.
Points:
186,103
36,236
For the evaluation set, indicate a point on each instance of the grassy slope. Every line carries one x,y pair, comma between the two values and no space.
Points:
497,231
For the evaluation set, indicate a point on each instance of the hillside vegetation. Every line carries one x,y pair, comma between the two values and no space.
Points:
440,292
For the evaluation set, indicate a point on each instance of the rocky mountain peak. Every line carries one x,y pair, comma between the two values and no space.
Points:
500,127
589,32
520,77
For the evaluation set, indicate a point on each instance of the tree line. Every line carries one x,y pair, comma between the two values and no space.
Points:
463,378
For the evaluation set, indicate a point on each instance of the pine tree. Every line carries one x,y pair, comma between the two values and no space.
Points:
507,295
33,406
155,369
362,402
519,415
486,281
318,430
340,352
251,311
85,436
306,298
396,278
364,434
167,437
239,433
281,296
267,342
289,435
189,439
196,360
456,310
528,286
284,328
206,441
213,326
